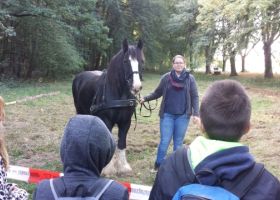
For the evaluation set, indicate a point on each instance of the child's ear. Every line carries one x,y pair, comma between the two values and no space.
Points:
201,127
247,128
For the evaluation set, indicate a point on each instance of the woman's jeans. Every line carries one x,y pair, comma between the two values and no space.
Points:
171,126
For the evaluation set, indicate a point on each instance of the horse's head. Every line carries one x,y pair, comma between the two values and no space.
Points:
133,65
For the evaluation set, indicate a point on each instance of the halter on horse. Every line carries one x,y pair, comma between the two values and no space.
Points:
110,95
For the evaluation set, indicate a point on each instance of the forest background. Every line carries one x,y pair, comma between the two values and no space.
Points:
51,38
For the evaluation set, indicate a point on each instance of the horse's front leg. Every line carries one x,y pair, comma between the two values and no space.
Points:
122,165
119,164
123,130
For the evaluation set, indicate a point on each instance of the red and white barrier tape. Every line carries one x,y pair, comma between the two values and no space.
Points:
31,175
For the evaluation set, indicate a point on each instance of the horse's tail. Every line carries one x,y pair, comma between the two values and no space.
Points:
76,90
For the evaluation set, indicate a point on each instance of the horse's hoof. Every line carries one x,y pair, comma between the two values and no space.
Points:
125,171
112,171
118,165
108,172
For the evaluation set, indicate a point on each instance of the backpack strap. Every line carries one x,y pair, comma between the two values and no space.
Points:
188,171
78,198
53,190
103,190
246,181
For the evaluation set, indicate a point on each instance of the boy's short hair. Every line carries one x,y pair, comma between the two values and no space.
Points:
225,111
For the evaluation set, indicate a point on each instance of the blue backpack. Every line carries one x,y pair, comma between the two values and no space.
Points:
206,192
198,191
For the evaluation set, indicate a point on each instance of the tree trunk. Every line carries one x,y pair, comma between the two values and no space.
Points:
232,64
224,61
191,56
13,58
30,69
224,65
97,61
3,54
32,59
243,63
207,69
208,60
267,60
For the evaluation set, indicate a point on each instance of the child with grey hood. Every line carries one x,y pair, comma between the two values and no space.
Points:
86,148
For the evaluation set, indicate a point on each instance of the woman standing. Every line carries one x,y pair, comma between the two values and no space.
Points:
179,102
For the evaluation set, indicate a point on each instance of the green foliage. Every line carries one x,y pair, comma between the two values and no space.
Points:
48,46
52,37
114,15
267,19
5,29
88,30
183,27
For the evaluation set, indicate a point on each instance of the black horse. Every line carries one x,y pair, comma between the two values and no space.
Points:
110,95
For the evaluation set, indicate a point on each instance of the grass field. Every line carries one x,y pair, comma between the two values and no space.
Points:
34,127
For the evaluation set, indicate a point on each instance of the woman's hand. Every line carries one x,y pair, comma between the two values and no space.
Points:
142,100
196,120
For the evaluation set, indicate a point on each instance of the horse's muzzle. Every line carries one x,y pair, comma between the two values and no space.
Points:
136,90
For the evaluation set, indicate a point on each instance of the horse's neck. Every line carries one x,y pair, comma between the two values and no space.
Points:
116,92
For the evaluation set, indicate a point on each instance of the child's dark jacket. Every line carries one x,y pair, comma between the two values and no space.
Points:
228,166
86,148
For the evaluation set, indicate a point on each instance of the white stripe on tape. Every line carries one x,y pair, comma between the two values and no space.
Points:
140,192
18,173
30,175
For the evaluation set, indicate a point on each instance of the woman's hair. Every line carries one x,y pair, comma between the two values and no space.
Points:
225,111
178,56
2,111
3,150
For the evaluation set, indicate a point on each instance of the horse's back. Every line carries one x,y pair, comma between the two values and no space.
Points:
83,88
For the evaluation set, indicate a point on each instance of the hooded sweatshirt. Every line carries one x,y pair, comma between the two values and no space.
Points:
86,148
226,161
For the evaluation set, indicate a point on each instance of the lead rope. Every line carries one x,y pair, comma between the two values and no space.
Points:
135,116
147,107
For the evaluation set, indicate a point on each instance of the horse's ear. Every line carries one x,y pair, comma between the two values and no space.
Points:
140,44
125,45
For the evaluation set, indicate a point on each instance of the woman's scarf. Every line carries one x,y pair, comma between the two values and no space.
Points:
178,81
